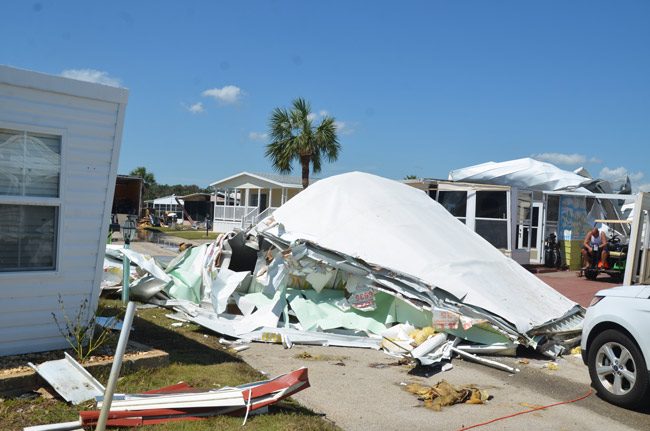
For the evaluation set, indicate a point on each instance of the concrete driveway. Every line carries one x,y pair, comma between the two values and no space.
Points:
360,389
358,396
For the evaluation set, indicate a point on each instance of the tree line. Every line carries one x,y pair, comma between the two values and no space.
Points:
153,190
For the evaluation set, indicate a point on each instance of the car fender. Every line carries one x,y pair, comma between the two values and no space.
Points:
632,315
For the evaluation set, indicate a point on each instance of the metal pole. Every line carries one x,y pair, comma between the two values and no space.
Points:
115,369
126,269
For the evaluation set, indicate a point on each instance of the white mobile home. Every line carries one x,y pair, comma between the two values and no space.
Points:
248,197
59,149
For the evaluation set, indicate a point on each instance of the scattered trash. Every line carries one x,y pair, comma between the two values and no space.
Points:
553,366
484,361
523,361
176,324
44,393
447,367
443,394
576,351
224,342
178,316
69,379
309,357
240,348
182,402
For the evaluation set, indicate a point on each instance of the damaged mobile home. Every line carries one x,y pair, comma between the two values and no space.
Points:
515,205
362,261
59,149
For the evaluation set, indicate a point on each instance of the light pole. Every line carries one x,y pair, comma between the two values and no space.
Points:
128,233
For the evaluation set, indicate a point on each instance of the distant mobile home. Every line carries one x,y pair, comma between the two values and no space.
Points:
59,149
246,198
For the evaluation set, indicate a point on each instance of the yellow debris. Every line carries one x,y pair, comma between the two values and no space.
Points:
552,366
419,336
444,394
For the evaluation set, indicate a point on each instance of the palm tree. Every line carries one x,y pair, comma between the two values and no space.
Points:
295,138
149,182
147,177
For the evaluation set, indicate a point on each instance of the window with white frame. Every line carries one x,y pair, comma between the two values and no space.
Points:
492,217
30,176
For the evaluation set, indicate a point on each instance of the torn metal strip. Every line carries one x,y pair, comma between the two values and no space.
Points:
69,379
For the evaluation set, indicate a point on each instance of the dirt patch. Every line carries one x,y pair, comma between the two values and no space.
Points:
17,364
311,357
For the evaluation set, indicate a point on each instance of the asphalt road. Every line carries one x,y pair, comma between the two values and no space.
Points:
356,396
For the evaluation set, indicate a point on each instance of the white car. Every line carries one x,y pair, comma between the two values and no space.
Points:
616,344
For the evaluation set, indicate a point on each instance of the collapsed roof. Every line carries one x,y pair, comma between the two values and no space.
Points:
356,259
525,173
531,174
398,228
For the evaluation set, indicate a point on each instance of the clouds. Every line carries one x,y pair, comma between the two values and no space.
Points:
619,173
226,95
342,127
613,175
257,136
92,75
196,108
565,159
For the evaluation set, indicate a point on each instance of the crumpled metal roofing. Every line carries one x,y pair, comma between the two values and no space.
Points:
390,225
523,173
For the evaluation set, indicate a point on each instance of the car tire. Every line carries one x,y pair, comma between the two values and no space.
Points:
617,369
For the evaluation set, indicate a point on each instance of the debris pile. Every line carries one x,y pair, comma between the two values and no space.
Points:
358,260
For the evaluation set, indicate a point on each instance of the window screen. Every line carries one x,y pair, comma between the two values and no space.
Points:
494,231
30,167
491,204
30,164
454,201
27,237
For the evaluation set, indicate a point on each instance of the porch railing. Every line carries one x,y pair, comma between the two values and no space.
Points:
245,216
264,214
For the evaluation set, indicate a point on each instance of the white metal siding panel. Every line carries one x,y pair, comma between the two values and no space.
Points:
90,148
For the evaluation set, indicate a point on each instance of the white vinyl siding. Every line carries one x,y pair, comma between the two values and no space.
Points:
86,121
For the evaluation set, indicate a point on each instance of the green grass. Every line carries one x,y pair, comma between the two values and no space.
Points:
194,358
186,234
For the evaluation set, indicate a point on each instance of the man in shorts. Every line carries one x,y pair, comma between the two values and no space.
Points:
595,242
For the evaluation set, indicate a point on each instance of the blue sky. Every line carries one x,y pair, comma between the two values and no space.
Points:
417,87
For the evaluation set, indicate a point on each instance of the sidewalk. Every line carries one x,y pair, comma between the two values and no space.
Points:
578,289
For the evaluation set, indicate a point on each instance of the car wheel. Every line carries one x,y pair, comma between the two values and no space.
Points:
617,369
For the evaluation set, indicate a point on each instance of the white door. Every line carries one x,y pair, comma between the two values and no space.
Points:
531,235
536,240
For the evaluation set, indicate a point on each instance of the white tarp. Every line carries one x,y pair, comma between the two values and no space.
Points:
400,228
526,173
